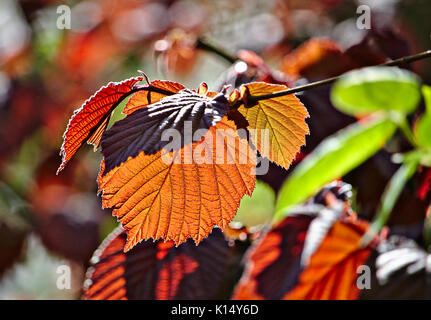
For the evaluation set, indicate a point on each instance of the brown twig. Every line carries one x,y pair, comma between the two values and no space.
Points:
401,61
203,44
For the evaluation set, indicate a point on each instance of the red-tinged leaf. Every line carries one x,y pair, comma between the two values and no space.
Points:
181,199
158,270
316,59
142,130
143,98
274,263
89,121
331,272
286,249
96,137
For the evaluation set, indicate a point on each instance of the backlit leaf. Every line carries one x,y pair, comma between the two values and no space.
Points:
181,198
315,59
332,270
423,130
158,270
361,92
286,248
274,263
277,125
143,130
89,121
143,98
423,126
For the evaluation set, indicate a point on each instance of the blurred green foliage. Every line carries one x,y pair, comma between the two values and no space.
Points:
257,209
361,92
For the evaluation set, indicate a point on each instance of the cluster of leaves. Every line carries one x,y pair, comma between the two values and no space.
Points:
179,200
315,249
46,72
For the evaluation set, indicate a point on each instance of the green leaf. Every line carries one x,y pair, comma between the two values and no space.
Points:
392,192
423,131
426,91
259,208
333,158
364,91
423,126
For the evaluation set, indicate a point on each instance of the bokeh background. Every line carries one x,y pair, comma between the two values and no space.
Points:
46,73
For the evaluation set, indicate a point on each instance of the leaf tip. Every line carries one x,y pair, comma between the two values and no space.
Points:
203,88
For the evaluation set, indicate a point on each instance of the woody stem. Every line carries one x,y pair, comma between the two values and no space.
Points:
401,61
203,44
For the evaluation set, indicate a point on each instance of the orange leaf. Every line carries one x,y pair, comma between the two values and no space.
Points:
278,252
277,125
175,201
332,270
285,250
316,59
143,98
89,121
187,113
157,270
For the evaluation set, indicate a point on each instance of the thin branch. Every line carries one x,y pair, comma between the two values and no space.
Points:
252,100
398,62
203,44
